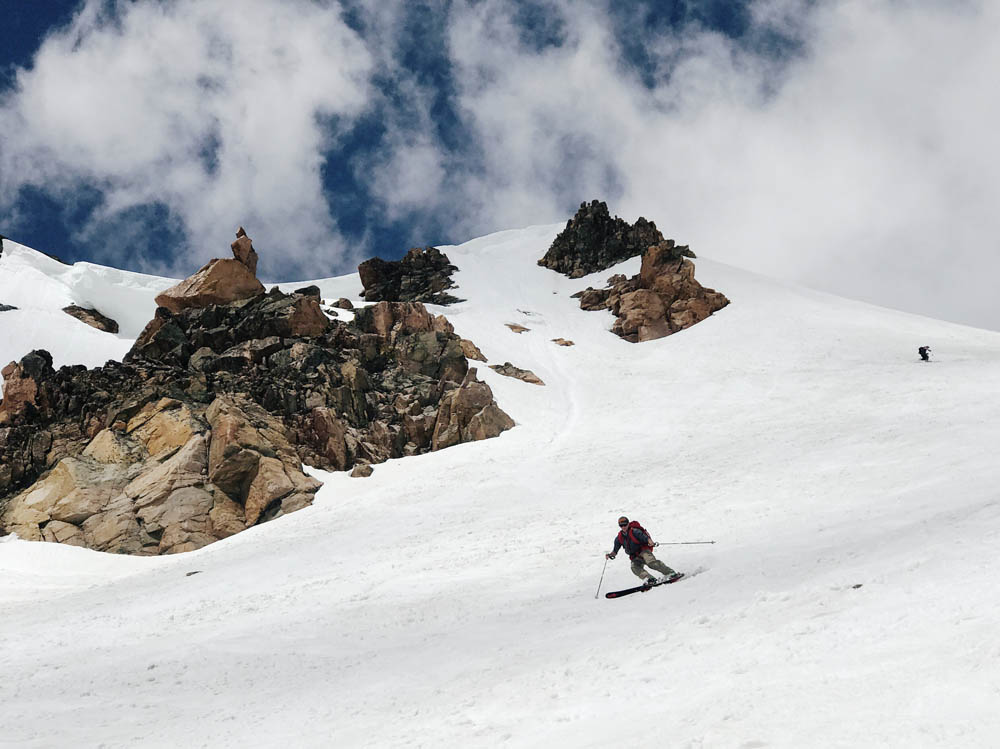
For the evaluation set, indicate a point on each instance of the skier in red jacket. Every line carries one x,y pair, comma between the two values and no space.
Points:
639,547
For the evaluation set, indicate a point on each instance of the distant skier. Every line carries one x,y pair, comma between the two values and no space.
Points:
639,547
925,353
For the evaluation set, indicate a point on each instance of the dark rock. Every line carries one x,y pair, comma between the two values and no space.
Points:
421,276
310,291
593,241
93,318
6,308
343,303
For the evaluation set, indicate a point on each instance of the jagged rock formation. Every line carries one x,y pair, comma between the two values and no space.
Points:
421,276
219,281
202,430
509,370
662,299
593,241
93,318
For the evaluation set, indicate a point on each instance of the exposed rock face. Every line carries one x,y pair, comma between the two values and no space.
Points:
93,318
469,413
343,303
421,276
218,282
593,241
202,431
517,328
662,299
244,252
509,370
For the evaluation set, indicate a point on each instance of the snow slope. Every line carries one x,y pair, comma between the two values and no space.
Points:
449,600
40,286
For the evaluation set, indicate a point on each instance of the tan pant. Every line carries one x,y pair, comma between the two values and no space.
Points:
647,559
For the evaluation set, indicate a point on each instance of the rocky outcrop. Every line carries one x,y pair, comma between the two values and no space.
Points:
516,327
219,282
6,307
421,276
202,430
562,342
509,370
468,413
471,350
343,303
662,299
93,318
593,241
244,252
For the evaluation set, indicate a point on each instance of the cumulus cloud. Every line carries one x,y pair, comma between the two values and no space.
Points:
220,115
859,160
847,145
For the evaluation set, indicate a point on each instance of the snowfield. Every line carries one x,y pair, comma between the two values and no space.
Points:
851,599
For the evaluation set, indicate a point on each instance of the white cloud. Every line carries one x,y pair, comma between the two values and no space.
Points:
212,109
863,164
866,165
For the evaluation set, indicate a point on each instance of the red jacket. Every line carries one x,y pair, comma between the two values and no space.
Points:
634,539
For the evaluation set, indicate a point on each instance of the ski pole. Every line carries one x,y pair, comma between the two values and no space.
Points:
681,543
602,578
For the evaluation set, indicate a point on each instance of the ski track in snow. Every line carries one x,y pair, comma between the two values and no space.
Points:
448,600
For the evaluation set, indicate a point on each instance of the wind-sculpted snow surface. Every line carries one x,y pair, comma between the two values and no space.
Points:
449,600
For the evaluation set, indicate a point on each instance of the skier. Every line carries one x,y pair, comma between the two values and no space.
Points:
639,547
925,353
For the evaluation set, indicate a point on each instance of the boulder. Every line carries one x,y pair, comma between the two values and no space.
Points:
471,350
22,390
219,282
509,370
244,252
93,318
468,413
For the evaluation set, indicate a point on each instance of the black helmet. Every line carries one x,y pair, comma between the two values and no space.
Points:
622,521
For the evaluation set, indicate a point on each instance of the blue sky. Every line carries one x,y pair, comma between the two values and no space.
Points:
816,142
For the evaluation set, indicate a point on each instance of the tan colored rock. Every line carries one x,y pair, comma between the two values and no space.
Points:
468,413
244,252
516,327
509,370
63,533
110,446
471,350
307,318
642,316
93,318
115,529
562,342
362,470
74,490
270,484
218,282
185,468
226,516
343,303
164,425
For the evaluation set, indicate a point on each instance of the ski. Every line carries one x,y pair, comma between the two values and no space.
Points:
641,588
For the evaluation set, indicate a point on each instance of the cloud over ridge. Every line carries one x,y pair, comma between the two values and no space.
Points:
846,145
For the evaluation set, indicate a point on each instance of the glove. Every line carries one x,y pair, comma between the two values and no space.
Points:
609,556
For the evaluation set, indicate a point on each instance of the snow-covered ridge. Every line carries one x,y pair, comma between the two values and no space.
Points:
797,429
